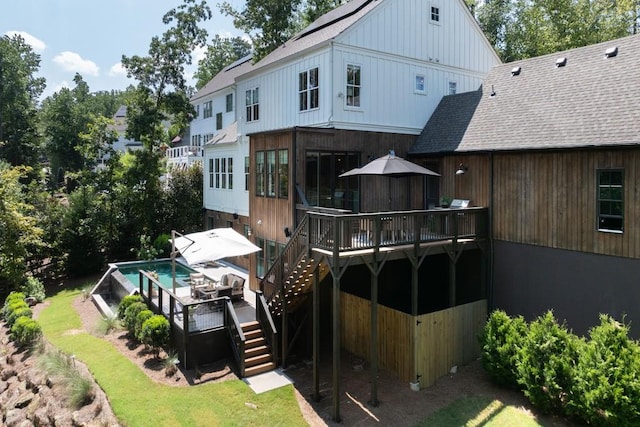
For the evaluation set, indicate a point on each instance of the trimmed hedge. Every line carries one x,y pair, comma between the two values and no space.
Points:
595,379
126,302
25,331
155,332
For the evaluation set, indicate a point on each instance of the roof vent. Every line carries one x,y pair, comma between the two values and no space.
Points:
515,71
611,52
561,62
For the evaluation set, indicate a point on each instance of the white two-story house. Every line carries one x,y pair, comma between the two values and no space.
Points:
361,80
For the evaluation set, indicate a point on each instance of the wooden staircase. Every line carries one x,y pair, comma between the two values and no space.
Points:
257,355
297,286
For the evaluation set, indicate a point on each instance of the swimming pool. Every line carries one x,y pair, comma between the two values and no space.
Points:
162,267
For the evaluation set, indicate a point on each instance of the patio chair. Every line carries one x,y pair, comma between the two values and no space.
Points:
196,281
237,288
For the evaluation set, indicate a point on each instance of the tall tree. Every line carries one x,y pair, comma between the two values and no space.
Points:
313,9
162,91
19,92
526,28
220,53
268,23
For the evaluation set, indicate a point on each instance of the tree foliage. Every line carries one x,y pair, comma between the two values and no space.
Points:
162,91
182,202
220,53
521,29
20,234
19,92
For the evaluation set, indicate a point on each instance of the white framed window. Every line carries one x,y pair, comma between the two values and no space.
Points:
211,174
354,82
453,88
207,109
198,111
223,172
434,14
420,84
218,121
246,173
252,101
308,91
196,140
229,102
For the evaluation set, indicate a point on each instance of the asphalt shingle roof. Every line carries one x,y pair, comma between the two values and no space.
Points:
224,78
592,101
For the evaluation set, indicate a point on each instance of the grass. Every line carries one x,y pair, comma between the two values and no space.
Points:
136,400
479,411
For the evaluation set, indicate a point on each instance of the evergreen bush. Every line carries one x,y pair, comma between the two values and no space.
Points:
500,344
607,379
155,332
20,310
547,363
25,331
12,298
130,316
140,319
126,302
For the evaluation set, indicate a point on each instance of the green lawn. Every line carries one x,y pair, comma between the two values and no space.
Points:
479,411
138,401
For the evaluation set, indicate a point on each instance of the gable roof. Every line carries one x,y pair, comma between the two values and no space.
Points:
591,101
224,78
322,30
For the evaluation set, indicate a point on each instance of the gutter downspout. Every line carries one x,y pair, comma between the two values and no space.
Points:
491,228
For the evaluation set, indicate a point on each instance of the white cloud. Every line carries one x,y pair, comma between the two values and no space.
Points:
117,70
36,44
63,84
71,61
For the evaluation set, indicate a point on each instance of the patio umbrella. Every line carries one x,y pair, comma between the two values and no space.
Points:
211,245
390,165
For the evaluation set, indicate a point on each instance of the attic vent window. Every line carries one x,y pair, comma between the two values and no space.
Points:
561,62
515,71
611,52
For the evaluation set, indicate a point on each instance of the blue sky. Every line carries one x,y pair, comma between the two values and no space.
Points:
90,36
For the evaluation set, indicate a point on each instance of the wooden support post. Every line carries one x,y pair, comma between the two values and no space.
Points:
285,329
452,282
335,415
316,335
374,339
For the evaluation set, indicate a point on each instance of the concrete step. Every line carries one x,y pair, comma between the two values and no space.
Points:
259,369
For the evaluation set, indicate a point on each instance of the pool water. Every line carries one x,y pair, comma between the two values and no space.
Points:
163,268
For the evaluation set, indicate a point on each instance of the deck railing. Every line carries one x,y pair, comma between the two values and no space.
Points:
263,316
236,334
384,229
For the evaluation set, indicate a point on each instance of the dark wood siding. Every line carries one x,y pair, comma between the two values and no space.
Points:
549,199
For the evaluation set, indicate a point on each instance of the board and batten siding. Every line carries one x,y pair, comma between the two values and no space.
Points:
549,199
403,28
232,201
279,101
473,185
442,339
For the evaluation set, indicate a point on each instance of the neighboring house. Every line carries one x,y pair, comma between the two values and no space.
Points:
551,146
122,145
225,156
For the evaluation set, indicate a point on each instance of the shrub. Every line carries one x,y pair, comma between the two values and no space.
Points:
607,380
547,363
22,310
170,363
500,343
126,302
25,331
130,316
155,332
33,287
140,319
12,298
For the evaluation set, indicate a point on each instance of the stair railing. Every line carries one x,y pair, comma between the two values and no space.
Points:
236,334
296,248
263,316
